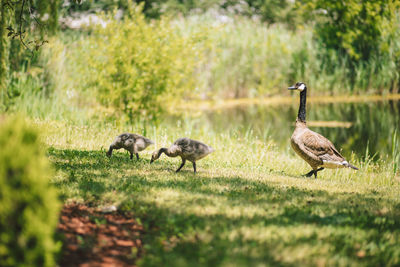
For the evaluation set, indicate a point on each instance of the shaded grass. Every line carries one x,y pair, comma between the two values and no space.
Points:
237,216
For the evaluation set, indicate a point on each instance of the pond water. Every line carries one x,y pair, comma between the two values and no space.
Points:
362,128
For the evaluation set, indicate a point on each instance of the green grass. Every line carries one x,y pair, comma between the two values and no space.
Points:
246,206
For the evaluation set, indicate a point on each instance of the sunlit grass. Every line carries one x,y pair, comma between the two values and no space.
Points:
244,153
247,205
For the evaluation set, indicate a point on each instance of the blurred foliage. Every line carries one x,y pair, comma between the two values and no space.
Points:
136,68
4,17
353,28
24,28
362,36
270,11
244,58
28,203
357,41
139,67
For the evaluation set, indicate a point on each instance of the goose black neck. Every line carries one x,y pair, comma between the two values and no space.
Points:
302,109
162,150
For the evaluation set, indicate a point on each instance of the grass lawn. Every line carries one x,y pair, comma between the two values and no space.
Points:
248,205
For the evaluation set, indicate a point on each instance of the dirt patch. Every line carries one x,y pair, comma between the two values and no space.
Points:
93,238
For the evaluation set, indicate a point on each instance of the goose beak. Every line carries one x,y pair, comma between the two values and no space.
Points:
292,88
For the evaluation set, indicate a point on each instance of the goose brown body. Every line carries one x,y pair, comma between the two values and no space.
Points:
314,148
133,143
187,149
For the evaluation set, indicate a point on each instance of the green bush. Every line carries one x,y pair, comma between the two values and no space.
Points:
28,203
135,65
360,37
356,29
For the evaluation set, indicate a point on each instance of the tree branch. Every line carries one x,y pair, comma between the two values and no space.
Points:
21,38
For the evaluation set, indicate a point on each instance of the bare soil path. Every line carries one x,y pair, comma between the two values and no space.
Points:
93,238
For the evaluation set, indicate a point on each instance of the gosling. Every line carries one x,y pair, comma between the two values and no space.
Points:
133,143
314,148
187,149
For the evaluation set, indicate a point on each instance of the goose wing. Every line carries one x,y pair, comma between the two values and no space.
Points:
193,150
123,137
143,139
136,136
320,146
185,145
178,147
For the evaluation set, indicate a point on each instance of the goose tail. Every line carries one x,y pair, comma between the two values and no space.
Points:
353,167
350,166
148,141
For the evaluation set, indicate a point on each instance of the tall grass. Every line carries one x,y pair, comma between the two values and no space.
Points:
32,94
247,58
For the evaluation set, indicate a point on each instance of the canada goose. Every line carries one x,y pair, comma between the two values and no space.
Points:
187,149
315,149
131,142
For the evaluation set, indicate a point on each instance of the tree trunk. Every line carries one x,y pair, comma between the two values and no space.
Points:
53,22
4,43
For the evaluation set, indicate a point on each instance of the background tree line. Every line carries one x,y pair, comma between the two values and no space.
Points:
339,47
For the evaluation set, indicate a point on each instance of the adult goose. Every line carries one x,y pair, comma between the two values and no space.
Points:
314,148
133,143
187,149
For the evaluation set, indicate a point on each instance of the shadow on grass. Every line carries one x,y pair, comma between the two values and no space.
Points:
174,231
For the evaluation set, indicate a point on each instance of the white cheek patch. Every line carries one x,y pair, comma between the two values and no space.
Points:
301,87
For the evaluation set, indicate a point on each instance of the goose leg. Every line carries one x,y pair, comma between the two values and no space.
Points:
180,167
315,172
194,166
309,174
131,156
109,152
134,150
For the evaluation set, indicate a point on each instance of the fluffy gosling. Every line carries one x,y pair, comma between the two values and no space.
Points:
187,149
133,143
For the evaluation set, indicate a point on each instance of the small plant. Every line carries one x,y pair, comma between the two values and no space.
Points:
28,203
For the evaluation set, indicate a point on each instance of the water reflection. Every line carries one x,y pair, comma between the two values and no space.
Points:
372,124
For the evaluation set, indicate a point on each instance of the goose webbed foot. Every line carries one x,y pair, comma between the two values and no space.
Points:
180,167
309,174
